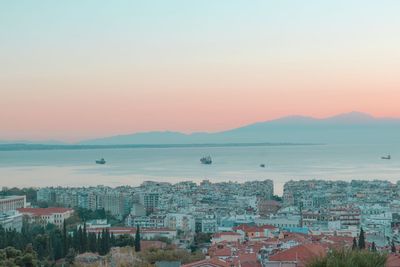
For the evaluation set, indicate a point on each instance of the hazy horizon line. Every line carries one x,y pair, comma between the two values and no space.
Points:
61,141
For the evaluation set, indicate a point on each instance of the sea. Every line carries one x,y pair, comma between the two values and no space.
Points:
133,165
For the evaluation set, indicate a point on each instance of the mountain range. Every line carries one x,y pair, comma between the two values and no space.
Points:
353,127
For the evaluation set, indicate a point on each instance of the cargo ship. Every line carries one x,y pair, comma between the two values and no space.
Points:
206,160
101,161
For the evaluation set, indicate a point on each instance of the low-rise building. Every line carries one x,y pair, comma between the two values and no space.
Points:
151,221
178,221
281,222
268,207
146,234
301,255
9,203
97,224
11,220
44,216
226,237
256,232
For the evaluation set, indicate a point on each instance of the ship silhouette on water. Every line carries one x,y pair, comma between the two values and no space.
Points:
206,160
386,157
101,161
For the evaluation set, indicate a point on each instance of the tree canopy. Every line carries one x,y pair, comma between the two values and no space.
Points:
354,258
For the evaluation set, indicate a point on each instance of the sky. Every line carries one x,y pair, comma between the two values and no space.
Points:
79,69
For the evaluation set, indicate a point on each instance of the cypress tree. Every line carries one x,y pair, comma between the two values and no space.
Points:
75,240
112,240
70,256
137,239
65,238
361,239
84,238
2,237
56,245
107,241
98,242
355,246
80,238
373,246
103,243
92,242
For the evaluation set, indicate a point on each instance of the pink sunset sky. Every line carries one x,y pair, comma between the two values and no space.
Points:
78,70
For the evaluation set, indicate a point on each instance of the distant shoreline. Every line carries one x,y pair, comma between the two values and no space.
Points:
26,147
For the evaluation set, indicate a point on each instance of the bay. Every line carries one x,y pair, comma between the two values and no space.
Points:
133,165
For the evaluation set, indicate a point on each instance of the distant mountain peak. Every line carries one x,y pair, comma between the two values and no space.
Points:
293,119
352,117
346,127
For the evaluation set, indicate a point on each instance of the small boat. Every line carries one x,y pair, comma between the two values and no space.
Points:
387,157
206,160
101,161
262,165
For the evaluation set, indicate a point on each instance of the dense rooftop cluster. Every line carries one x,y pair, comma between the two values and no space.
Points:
234,224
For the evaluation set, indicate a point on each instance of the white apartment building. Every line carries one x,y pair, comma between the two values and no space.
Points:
44,216
9,203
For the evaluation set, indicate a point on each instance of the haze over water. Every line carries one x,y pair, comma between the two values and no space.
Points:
134,165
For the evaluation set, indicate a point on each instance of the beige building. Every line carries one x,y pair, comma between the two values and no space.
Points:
9,203
44,216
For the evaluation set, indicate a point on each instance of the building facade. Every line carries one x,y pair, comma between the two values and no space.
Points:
9,203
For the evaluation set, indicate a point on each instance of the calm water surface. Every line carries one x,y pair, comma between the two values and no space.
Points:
133,166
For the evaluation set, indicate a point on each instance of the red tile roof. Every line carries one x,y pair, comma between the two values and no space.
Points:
393,260
44,211
214,262
248,228
223,252
298,237
302,253
221,234
336,241
250,264
128,230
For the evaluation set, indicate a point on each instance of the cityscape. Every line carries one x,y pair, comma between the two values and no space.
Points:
176,133
222,224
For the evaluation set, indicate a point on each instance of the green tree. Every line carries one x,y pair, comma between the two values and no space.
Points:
29,257
373,246
393,247
41,245
98,243
353,258
70,257
154,255
355,246
361,239
124,240
84,238
92,242
2,237
56,244
65,238
112,240
107,241
12,257
104,242
80,238
137,239
277,198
